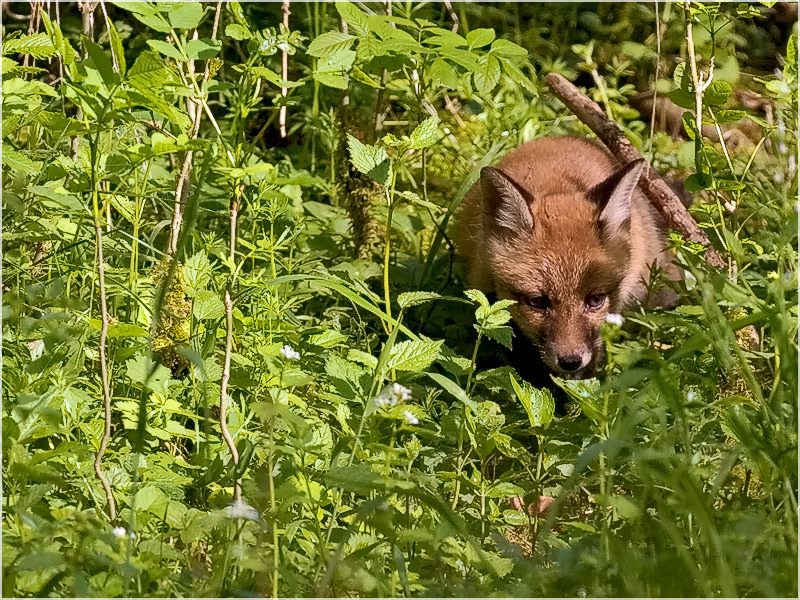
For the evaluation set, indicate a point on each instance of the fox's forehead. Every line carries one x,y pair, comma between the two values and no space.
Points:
563,270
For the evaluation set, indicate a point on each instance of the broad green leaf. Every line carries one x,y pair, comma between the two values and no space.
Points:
237,32
487,75
203,48
329,43
353,16
370,160
479,297
19,162
332,80
538,403
185,15
443,74
166,49
208,306
139,371
414,355
426,133
148,14
477,38
717,93
102,62
274,78
148,72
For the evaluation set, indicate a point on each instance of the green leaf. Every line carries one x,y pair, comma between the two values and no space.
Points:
408,299
208,306
204,48
331,80
185,15
147,14
443,75
139,371
538,403
237,31
454,389
166,49
329,43
102,62
148,72
477,38
38,45
509,50
370,160
479,297
19,162
116,46
717,93
487,75
352,16
274,78
682,98
414,355
426,133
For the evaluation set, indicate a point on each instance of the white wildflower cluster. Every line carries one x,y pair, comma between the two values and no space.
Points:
615,319
410,417
290,353
392,395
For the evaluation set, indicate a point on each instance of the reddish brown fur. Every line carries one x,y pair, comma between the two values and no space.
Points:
567,256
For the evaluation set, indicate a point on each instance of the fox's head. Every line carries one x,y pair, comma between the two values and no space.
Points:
562,255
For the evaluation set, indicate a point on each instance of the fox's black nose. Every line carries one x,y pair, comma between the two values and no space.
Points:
571,362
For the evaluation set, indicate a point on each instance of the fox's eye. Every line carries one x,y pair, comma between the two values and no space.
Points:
595,301
537,302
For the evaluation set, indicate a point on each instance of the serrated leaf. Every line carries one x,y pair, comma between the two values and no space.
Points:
408,299
425,134
443,74
352,16
414,355
717,93
487,75
38,45
331,80
274,78
477,296
148,72
502,334
19,162
538,403
207,306
237,31
329,43
370,160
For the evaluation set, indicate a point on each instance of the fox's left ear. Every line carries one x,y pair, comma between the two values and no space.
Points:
614,195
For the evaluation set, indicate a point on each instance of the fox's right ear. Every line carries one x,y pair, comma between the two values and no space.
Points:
504,203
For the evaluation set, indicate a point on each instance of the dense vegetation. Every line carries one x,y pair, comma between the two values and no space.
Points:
166,245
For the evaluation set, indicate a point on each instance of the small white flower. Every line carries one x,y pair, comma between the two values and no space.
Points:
410,417
691,395
615,319
242,510
781,127
782,147
729,205
778,177
392,395
119,531
792,165
504,134
290,353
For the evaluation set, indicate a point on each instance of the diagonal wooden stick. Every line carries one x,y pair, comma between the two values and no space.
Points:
657,191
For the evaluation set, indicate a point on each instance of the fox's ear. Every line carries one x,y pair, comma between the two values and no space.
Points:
614,195
504,203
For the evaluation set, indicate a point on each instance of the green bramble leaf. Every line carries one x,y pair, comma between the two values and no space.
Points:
538,403
370,160
426,133
409,299
38,45
414,355
329,44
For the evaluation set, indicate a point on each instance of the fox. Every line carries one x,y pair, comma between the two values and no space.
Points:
563,229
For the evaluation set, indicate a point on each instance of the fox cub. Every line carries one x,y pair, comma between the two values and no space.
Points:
562,229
